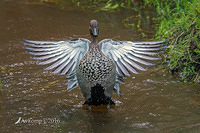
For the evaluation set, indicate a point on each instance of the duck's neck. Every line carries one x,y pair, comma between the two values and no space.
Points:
93,42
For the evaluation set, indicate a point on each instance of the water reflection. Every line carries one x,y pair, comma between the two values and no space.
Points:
153,101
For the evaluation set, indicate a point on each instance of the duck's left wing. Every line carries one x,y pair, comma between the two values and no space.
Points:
61,56
130,56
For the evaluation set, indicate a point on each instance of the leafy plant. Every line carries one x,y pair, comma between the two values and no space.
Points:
180,23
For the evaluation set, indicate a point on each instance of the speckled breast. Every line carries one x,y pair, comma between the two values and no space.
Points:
95,66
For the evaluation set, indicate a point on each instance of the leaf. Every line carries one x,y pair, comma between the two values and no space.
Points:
197,51
115,6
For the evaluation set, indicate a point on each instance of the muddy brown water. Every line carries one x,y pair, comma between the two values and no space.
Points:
34,100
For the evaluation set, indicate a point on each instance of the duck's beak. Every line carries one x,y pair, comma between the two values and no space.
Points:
95,32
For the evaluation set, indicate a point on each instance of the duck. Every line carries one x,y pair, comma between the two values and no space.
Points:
96,67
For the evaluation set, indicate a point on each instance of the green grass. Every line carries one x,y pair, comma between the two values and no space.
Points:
1,85
180,23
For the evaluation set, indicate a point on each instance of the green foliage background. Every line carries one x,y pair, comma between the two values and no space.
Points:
180,23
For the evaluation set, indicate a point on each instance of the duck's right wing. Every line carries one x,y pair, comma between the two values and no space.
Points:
130,56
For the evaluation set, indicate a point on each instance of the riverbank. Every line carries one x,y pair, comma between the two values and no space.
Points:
180,24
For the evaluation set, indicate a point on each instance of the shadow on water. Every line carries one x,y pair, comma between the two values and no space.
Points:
37,101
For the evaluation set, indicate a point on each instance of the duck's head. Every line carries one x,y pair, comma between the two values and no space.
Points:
94,28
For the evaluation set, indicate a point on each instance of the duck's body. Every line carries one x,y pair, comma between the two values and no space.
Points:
97,68
95,74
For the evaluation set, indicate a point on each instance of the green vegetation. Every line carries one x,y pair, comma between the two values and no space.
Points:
180,23
1,85
98,5
106,5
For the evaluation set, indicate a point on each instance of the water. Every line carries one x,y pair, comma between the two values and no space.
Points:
153,101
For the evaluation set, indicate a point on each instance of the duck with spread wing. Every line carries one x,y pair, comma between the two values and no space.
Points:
97,68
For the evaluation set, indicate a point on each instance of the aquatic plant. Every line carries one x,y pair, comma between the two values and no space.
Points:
180,23
97,5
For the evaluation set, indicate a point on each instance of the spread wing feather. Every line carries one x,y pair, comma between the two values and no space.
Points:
61,56
130,56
